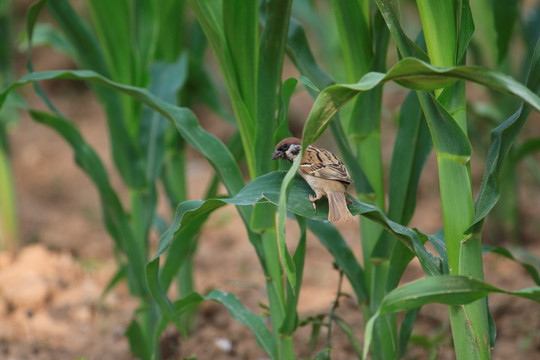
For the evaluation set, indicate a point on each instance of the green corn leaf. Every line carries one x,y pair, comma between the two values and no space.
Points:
417,75
465,29
6,48
186,123
353,22
300,54
181,249
245,317
89,55
145,31
137,342
31,17
235,308
291,316
113,29
323,355
170,40
184,120
316,325
406,329
240,26
349,332
200,85
270,58
120,274
210,15
88,52
160,296
411,150
390,11
453,290
282,130
46,35
165,82
507,254
506,14
448,290
440,30
181,306
502,138
286,258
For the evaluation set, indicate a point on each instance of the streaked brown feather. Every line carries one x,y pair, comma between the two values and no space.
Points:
322,163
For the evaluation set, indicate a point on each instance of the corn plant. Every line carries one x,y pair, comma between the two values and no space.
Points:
249,43
8,213
136,44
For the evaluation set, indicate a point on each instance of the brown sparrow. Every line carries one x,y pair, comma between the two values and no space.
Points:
324,173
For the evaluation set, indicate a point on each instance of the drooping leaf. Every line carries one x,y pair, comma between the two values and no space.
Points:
448,290
136,339
445,289
502,138
293,295
533,272
247,318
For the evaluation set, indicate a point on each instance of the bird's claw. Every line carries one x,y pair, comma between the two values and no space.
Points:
313,199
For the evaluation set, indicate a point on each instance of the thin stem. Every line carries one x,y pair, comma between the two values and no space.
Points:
331,315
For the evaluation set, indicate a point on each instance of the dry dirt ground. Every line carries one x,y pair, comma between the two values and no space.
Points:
50,306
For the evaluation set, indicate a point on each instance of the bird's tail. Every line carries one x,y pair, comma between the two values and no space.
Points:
337,208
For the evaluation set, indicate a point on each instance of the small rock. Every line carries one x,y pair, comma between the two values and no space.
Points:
224,344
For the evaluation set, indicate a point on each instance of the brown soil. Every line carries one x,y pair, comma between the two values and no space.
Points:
50,306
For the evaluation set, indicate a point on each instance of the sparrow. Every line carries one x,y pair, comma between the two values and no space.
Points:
324,173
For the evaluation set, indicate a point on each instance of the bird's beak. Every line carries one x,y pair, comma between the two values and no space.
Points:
278,155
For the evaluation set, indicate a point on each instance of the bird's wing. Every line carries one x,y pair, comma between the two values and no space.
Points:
323,164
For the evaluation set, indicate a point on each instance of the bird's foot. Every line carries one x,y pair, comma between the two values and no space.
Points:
313,199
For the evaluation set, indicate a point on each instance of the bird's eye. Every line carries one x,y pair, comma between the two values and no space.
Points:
285,146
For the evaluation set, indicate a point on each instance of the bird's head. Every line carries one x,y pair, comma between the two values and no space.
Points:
288,149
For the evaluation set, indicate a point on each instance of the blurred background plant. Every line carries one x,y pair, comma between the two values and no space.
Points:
145,62
148,50
9,239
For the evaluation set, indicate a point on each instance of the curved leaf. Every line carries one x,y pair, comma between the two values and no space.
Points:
246,317
450,290
414,74
502,138
236,309
446,289
507,254
185,121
